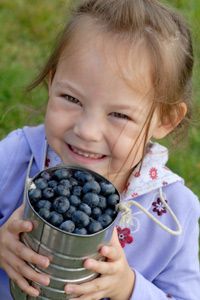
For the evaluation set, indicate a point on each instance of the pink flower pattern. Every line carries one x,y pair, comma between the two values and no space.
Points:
127,186
124,236
137,174
133,195
164,183
153,173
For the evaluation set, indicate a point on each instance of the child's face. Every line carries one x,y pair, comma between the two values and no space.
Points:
94,117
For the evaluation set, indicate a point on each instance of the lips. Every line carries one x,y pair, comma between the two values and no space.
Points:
85,154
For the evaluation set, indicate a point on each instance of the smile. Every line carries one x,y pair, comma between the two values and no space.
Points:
85,154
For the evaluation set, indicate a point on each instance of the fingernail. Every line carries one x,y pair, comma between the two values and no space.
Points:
105,249
88,264
45,281
69,289
45,262
35,293
28,226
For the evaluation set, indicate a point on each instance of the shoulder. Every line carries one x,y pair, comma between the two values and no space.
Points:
13,152
11,143
15,148
16,140
19,138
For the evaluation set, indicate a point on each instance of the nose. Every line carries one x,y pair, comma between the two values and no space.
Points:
89,128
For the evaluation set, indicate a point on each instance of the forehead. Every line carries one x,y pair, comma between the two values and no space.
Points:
108,54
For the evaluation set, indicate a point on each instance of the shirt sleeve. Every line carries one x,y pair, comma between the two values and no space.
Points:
13,163
180,280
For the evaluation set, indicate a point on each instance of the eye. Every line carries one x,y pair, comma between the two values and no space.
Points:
120,116
71,99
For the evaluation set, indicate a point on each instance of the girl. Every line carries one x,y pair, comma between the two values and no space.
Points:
119,77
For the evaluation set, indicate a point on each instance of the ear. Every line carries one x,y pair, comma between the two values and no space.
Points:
170,123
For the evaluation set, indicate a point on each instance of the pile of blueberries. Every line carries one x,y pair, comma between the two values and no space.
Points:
76,201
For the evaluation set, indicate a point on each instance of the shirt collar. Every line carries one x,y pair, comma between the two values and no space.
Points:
151,174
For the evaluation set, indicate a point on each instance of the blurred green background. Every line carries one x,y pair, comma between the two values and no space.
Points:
27,33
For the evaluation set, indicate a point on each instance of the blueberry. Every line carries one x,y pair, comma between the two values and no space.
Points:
105,220
41,183
52,183
66,183
44,213
55,218
62,174
45,175
61,204
86,208
94,226
83,176
73,181
91,186
107,188
81,231
102,202
96,212
80,219
91,199
48,193
77,190
112,200
68,226
35,194
69,212
74,200
61,190
111,212
43,204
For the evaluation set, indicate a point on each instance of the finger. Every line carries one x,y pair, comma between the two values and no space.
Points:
97,285
93,296
101,267
16,226
26,271
111,253
28,255
21,282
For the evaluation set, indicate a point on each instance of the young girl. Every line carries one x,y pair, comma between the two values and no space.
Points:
119,77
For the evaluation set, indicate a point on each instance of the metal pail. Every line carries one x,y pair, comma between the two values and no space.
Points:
67,251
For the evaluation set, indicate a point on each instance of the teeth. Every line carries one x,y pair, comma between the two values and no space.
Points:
86,154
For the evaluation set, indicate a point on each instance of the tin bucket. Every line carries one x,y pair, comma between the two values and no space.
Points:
67,251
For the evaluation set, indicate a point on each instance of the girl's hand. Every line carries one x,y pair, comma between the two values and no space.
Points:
116,280
14,254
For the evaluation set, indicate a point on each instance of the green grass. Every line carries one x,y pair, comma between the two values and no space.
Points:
26,34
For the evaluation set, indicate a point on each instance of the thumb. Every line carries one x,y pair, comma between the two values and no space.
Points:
18,213
115,240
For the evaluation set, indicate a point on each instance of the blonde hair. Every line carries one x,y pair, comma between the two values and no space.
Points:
167,39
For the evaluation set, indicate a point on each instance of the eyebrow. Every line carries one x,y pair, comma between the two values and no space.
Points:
70,86
122,106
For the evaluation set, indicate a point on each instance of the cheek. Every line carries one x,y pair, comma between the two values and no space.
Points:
55,116
129,146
